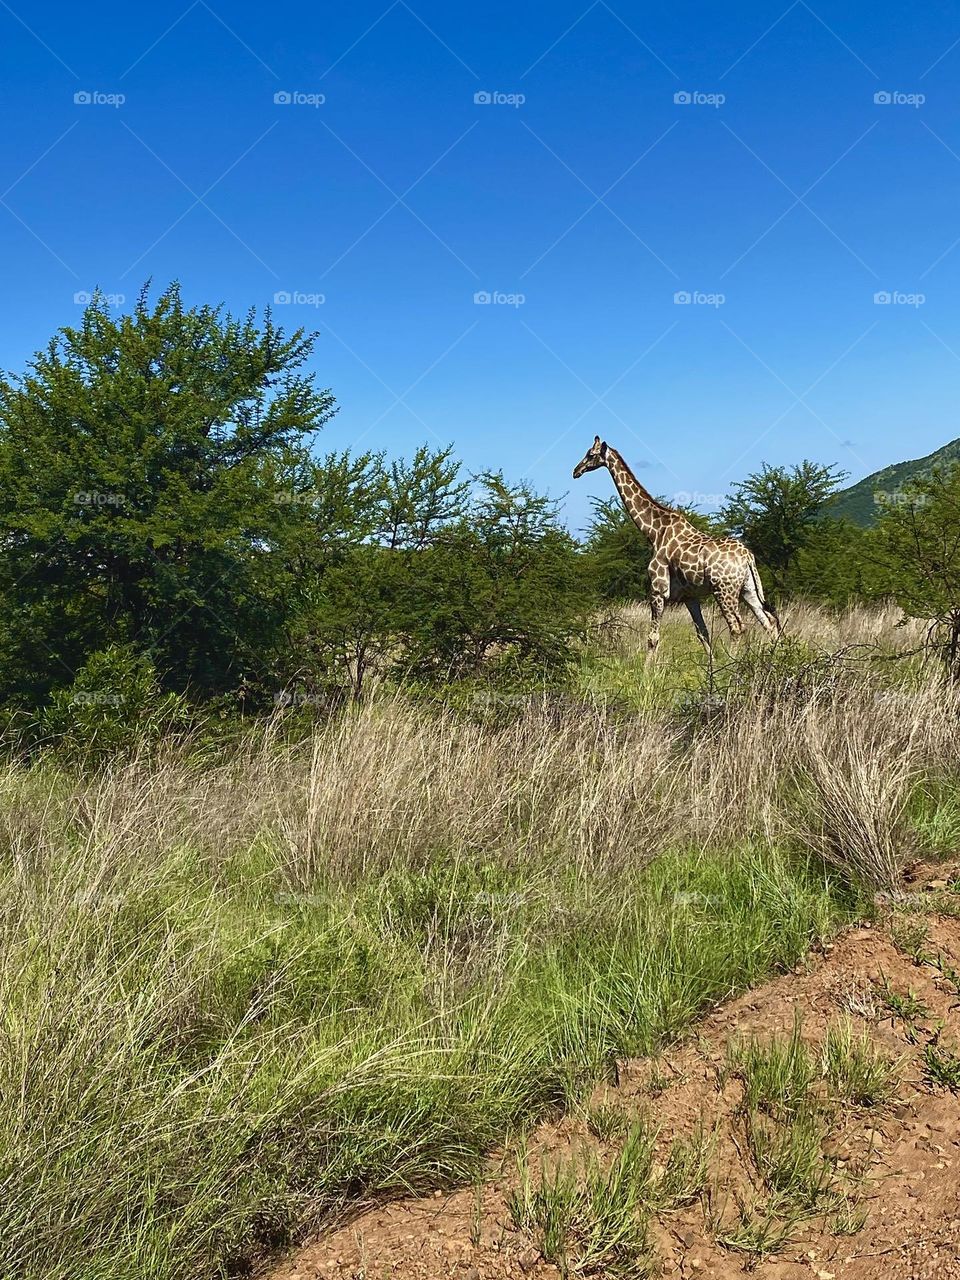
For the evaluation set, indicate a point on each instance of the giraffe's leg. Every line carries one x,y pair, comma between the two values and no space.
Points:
657,606
659,572
752,600
727,604
696,613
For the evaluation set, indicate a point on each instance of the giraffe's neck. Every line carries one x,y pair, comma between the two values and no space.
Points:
645,512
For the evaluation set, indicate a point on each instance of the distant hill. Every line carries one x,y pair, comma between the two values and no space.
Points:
861,503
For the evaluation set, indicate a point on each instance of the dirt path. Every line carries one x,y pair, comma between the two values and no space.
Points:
904,1155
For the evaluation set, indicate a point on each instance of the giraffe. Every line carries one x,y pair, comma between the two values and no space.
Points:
687,565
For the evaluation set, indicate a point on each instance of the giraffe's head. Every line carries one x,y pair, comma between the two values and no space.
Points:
596,456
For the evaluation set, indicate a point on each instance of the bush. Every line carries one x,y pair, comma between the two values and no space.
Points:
114,705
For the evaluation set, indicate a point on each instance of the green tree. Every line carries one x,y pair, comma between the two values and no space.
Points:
141,459
917,538
832,565
775,511
357,558
505,583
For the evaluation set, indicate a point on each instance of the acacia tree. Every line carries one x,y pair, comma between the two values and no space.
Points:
139,466
505,582
776,511
359,557
918,542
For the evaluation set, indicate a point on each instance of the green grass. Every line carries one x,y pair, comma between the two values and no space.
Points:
240,992
789,1158
606,1121
590,1217
941,1065
777,1075
793,1094
199,1061
907,1006
935,814
855,1070
685,1175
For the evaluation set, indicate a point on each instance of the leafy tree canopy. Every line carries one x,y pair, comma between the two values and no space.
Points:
776,509
140,463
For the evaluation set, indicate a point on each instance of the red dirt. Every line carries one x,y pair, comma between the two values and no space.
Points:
908,1151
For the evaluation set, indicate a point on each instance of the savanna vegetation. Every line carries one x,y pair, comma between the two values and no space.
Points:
345,829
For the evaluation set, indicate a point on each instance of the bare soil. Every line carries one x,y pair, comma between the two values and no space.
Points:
904,1154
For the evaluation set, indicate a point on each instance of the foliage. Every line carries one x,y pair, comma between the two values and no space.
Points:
918,545
140,459
161,497
775,511
833,564
113,705
503,583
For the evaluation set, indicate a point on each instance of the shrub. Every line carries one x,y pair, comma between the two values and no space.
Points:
114,705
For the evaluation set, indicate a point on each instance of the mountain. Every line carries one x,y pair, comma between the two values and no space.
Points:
862,502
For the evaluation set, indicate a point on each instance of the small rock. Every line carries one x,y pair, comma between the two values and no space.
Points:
528,1259
933,885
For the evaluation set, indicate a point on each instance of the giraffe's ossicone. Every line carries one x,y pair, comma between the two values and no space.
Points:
687,566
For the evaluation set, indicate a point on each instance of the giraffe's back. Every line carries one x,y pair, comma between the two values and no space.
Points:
702,565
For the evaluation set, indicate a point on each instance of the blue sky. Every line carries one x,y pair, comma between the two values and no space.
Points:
777,193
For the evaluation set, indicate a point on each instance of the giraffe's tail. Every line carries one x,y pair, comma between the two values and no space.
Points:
758,587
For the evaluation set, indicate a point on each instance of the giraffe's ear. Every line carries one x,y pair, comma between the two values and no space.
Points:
603,447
